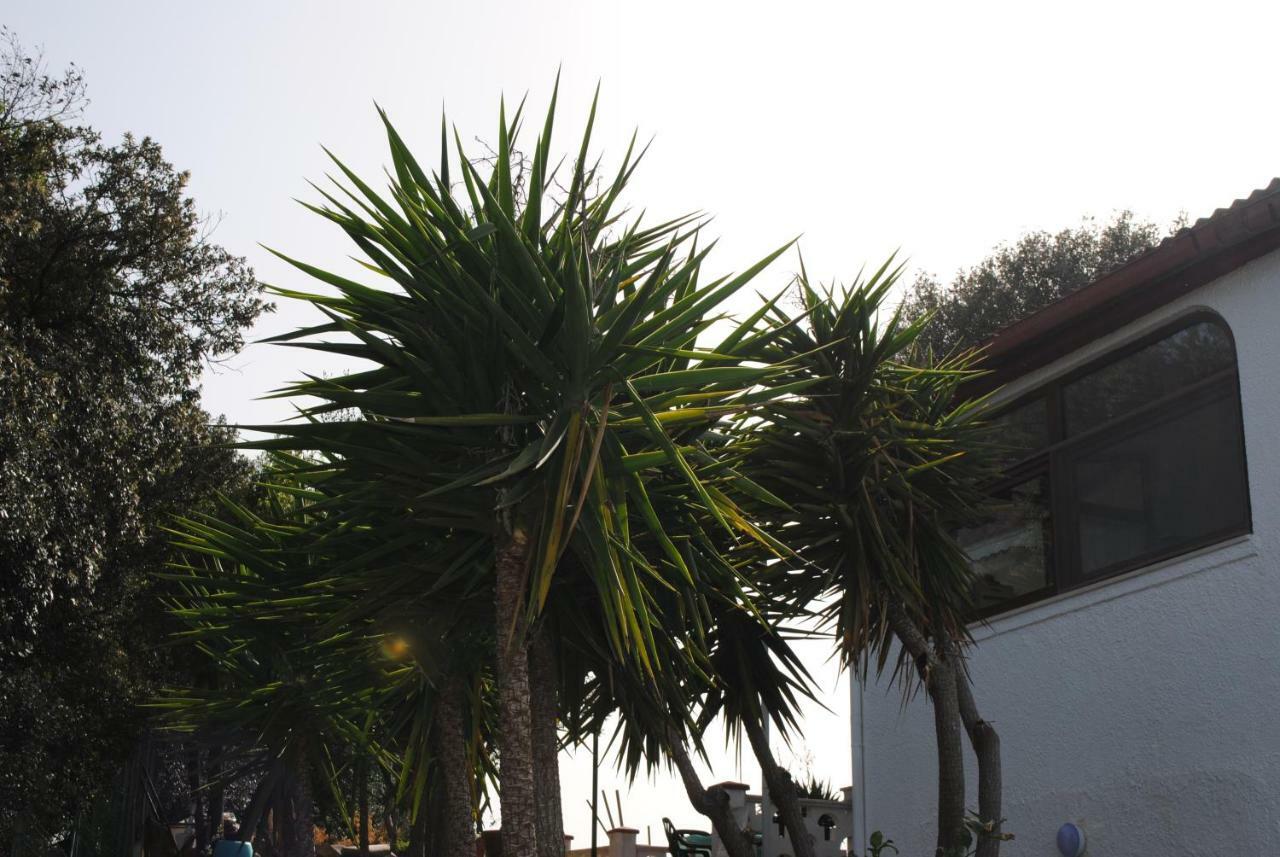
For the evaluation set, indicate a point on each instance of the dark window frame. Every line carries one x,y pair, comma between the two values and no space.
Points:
1054,460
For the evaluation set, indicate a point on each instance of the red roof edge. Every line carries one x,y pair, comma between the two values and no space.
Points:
1206,250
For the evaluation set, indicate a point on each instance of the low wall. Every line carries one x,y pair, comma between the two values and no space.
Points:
829,822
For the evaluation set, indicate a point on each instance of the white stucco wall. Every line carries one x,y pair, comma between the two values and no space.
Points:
1146,708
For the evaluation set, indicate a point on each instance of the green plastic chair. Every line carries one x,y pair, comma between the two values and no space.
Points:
686,843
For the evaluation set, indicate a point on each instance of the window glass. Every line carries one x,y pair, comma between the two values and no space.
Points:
1174,483
1152,464
1010,553
1177,361
1021,432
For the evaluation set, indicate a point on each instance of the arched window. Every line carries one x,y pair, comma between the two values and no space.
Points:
1135,458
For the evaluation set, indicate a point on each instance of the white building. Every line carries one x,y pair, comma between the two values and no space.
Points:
1130,660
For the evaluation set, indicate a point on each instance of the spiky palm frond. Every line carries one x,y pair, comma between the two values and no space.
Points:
876,463
533,354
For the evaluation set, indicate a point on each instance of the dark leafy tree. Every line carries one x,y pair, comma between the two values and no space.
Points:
1021,278
112,299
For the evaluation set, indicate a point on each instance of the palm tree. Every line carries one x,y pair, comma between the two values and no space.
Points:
441,719
876,462
654,724
533,358
757,679
303,649
730,658
284,700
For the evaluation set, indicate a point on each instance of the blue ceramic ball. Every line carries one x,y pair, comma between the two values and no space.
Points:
1070,840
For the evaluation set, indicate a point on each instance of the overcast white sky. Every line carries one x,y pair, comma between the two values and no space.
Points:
938,128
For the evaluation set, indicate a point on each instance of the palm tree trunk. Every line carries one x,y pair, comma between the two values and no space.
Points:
986,747
390,810
363,790
217,795
420,831
199,807
457,836
940,682
951,785
258,806
270,827
299,829
544,687
782,790
712,802
515,750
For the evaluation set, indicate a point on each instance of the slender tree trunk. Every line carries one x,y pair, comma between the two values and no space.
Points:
712,802
544,685
217,795
299,831
951,785
258,806
595,793
457,835
363,791
199,808
389,810
986,747
940,682
419,832
269,827
782,791
18,848
515,752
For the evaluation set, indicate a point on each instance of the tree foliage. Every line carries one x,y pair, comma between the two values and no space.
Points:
1022,277
877,462
535,411
535,380
539,455
112,298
